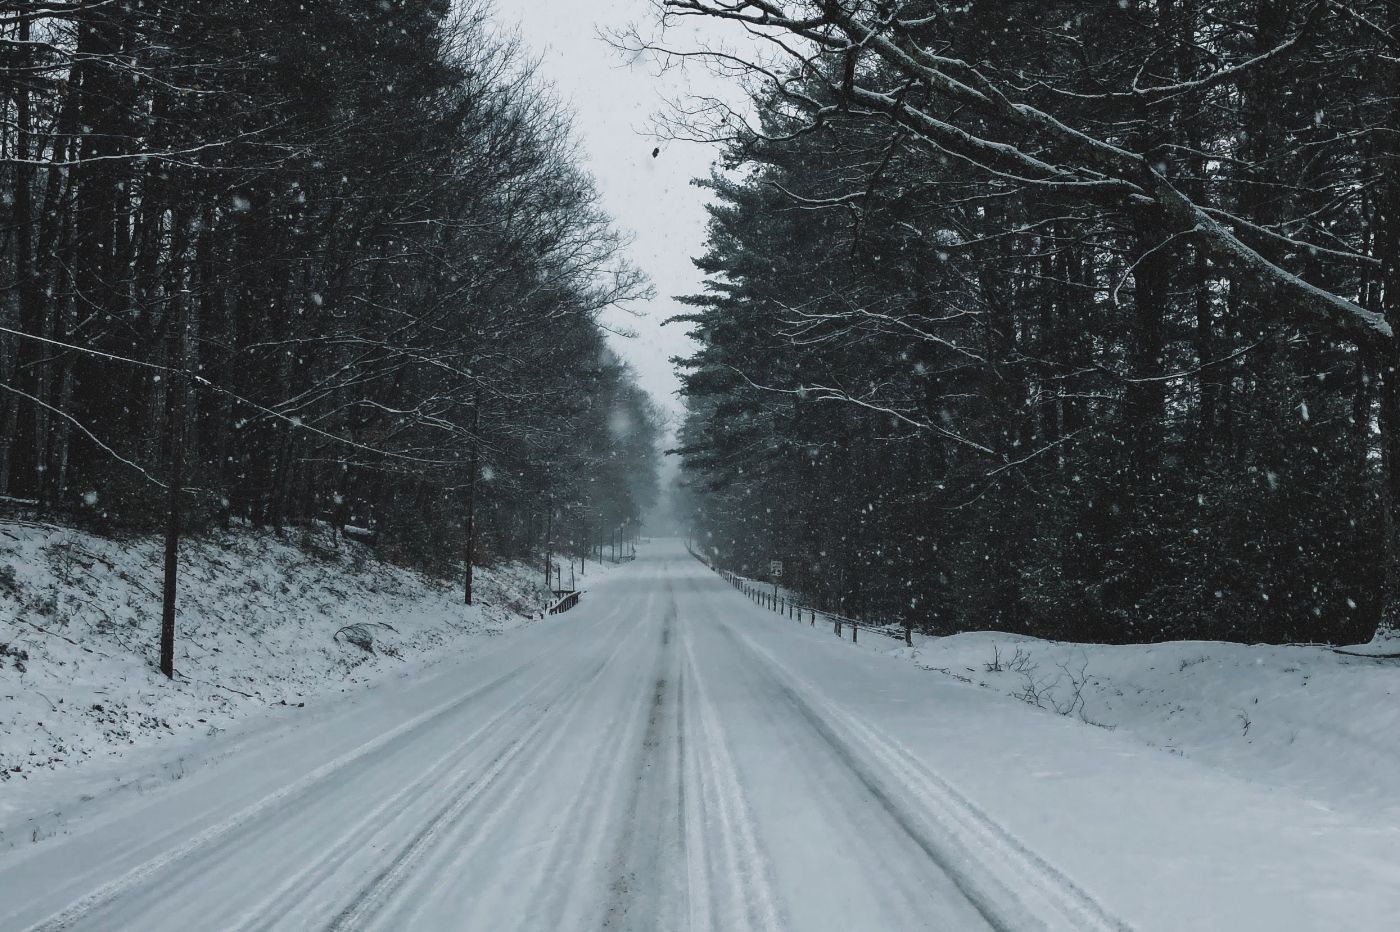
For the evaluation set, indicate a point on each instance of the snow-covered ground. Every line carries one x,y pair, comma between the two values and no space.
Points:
1307,719
671,756
259,635
1317,721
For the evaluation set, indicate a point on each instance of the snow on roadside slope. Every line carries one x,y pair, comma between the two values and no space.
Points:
257,626
1302,718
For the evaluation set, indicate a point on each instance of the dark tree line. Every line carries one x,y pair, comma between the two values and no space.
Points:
322,261
1069,318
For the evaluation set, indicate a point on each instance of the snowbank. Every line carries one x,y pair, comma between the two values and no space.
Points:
262,623
1318,723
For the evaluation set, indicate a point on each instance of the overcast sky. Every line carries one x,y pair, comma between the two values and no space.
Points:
652,198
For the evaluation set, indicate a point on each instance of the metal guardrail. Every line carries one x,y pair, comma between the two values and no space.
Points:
763,594
565,599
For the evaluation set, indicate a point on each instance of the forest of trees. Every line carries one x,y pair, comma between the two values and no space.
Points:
1070,318
325,261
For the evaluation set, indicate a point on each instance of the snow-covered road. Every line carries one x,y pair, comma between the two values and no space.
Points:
670,756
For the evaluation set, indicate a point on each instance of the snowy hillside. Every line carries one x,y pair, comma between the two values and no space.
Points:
1305,718
262,623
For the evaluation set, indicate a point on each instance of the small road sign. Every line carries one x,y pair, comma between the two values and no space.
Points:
775,567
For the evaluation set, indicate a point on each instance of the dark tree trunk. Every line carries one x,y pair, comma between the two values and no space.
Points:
174,478
469,550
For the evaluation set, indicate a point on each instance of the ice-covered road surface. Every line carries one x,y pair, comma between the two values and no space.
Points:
669,756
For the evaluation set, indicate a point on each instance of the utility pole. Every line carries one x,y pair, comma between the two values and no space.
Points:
469,553
548,540
174,477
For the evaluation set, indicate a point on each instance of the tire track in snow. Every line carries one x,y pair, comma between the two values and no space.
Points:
737,886
198,852
1012,886
578,877
376,895
684,830
624,884
452,766
584,820
554,879
646,886
872,850
361,910
267,807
